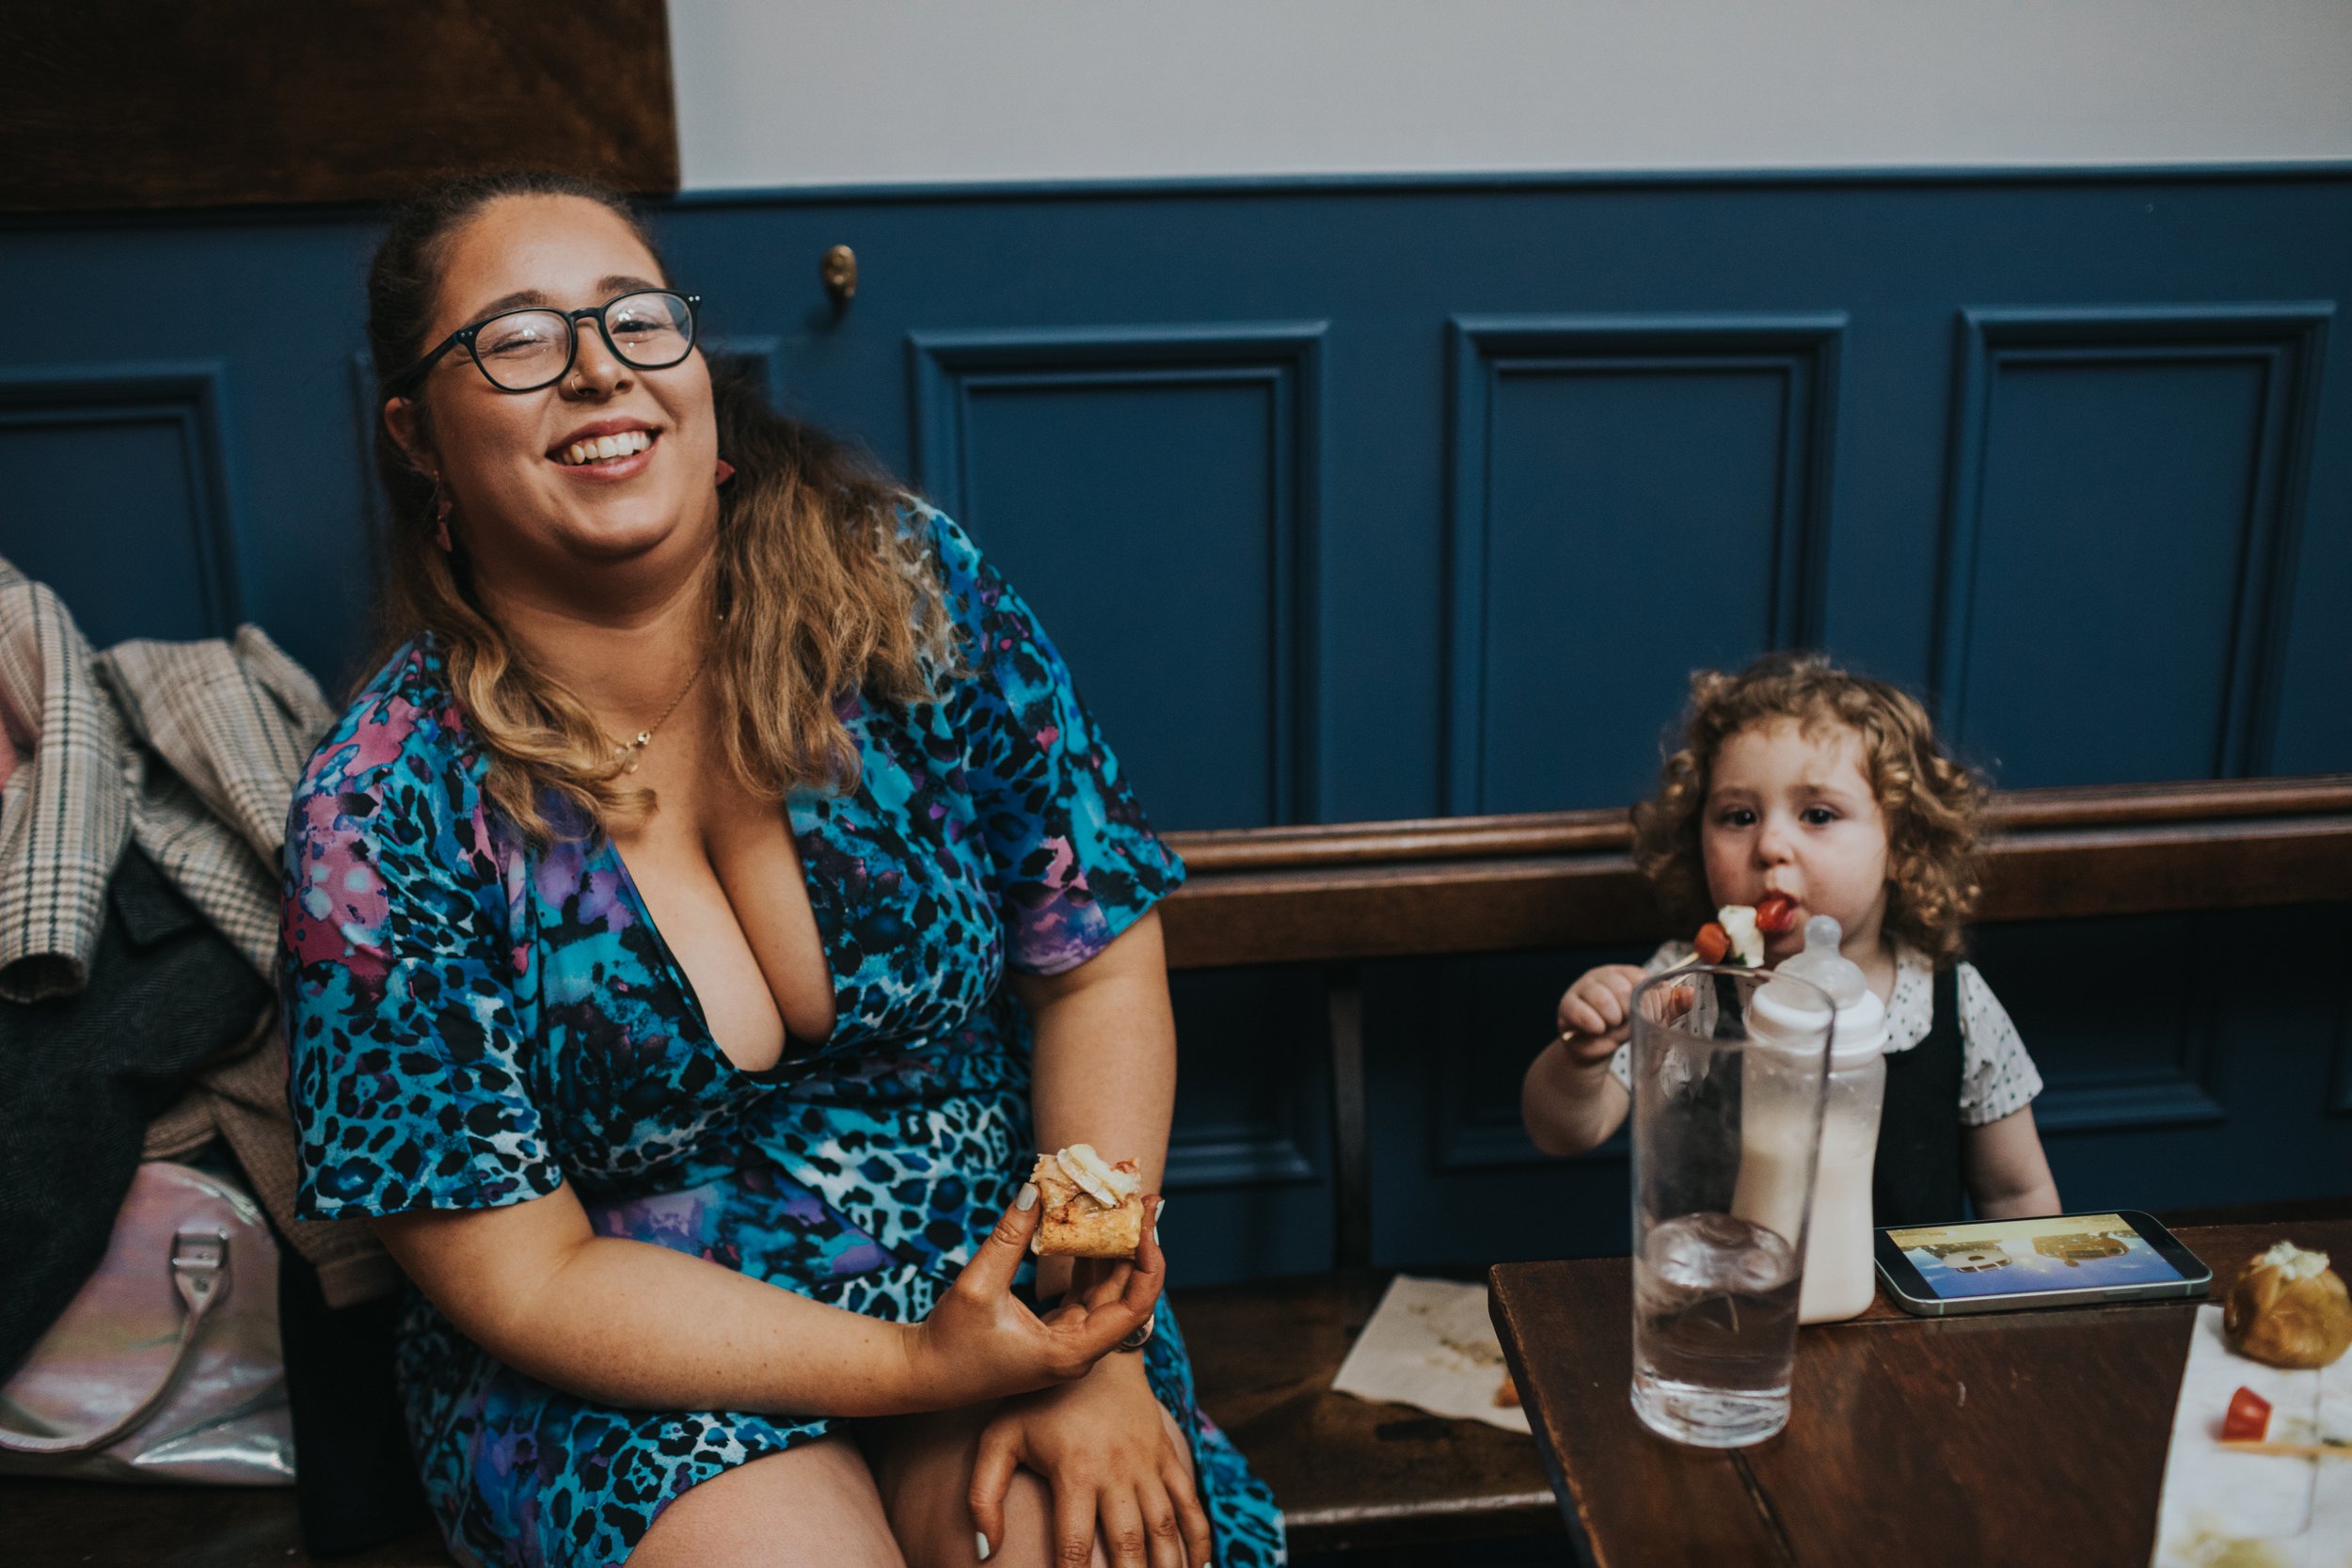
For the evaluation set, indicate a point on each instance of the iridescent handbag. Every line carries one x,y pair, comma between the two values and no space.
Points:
166,1367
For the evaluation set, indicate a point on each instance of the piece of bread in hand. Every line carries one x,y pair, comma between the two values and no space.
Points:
1093,1207
2289,1309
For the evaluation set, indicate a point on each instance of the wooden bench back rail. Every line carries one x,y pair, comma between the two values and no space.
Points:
1342,894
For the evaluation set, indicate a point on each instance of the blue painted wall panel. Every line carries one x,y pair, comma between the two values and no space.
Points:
1250,1163
274,303
2115,535
134,474
1180,466
2125,1014
1631,530
1289,410
1172,617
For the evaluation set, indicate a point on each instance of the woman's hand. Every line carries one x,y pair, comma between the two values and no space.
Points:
980,1342
1115,1465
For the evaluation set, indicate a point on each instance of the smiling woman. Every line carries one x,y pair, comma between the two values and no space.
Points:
692,1076
861,617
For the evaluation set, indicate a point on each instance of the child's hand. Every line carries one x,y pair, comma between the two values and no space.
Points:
1596,1015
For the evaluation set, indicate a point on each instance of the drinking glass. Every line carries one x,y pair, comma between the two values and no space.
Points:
1726,1134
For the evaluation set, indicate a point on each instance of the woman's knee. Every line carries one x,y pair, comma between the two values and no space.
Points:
809,1506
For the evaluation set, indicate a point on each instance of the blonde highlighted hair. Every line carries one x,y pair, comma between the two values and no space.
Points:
1933,806
822,591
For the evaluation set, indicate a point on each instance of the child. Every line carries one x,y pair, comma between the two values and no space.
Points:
1797,778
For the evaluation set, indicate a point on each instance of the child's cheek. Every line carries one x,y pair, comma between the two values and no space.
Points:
1723,858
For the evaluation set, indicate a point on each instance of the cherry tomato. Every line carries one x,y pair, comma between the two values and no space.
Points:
1775,914
2247,1419
1714,942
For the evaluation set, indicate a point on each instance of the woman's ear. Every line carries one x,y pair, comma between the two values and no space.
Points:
401,419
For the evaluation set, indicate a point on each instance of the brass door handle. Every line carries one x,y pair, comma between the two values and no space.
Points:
838,268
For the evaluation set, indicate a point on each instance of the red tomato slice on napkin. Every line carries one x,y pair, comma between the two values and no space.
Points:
2247,1419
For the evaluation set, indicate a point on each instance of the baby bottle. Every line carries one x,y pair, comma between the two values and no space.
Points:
1837,1266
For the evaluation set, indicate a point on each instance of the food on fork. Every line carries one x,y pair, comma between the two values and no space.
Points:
1731,935
1738,931
1091,1207
2289,1309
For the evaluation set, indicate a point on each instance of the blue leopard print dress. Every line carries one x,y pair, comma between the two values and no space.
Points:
475,1022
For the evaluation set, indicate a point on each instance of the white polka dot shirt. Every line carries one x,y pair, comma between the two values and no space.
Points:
1997,1077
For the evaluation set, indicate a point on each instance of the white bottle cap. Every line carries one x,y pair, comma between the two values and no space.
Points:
1787,1017
1861,1016
1861,1031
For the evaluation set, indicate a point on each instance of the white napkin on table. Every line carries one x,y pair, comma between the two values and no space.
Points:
1430,1344
2228,1510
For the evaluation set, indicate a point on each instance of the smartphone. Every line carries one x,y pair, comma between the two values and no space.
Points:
2062,1260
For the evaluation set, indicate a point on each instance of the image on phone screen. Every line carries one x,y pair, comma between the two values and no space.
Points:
2070,1252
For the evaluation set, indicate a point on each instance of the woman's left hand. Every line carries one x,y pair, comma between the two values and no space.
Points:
1107,1451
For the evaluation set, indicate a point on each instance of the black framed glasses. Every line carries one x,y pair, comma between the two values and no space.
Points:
521,351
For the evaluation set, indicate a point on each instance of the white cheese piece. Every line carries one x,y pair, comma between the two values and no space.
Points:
1093,1174
2293,1262
1738,923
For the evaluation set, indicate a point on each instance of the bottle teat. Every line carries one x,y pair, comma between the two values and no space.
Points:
1861,1016
1825,965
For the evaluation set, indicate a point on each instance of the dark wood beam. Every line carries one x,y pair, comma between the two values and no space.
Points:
129,103
1479,885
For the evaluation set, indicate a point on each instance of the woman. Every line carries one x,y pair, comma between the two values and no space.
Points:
694,1074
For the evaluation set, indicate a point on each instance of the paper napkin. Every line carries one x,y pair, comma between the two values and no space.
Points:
1431,1345
2228,1510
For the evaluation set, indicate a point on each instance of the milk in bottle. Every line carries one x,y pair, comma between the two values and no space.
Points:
1838,1277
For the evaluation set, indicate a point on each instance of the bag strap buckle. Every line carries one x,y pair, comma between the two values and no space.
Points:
199,1268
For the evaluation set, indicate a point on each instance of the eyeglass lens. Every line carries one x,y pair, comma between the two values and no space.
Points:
528,349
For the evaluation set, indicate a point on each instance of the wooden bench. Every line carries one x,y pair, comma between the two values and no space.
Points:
1380,1481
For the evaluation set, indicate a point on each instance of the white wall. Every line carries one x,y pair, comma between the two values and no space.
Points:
797,92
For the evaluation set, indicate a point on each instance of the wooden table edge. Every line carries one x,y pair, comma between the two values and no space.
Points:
1579,1529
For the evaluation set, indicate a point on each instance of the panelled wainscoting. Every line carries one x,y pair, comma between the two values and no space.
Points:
1416,501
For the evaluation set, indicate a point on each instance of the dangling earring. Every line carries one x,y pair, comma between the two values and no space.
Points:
724,471
442,507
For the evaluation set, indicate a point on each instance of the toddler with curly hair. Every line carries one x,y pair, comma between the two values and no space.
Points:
1797,778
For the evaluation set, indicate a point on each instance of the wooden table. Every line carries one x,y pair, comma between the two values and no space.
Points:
2019,1437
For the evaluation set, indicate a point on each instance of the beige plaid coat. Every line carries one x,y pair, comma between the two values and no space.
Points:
191,751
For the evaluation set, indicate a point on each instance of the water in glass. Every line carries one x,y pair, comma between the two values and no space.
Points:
1714,1321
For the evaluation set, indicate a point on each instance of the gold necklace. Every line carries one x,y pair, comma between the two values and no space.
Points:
631,750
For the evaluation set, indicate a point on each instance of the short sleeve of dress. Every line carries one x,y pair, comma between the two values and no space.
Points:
1997,1077
1668,955
397,982
1074,860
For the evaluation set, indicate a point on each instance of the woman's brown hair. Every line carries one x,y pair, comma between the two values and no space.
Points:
821,590
1933,806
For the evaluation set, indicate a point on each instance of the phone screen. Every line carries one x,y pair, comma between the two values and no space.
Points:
2069,1252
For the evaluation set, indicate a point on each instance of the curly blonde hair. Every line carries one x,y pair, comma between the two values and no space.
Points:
821,590
1933,806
